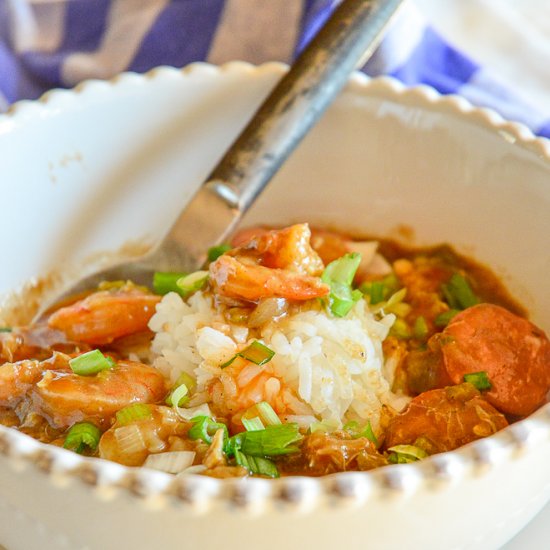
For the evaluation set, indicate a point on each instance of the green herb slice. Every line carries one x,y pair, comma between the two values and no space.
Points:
339,276
403,454
178,396
443,319
192,282
205,428
271,441
252,424
458,293
216,251
82,436
166,281
132,413
90,363
256,464
256,353
479,379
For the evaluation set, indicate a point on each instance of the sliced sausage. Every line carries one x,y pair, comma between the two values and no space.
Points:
445,419
514,353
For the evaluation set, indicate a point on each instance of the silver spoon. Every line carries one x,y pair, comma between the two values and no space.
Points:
296,103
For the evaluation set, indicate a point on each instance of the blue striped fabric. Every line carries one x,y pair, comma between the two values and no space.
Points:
57,43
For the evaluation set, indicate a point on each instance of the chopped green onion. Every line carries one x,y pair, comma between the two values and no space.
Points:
403,454
458,293
132,413
178,396
355,431
205,428
90,363
252,424
377,291
5,329
420,328
82,436
369,434
267,414
256,465
443,319
216,251
400,329
166,281
479,379
271,441
256,353
188,380
339,276
192,282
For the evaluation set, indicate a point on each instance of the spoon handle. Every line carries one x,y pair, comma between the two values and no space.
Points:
293,107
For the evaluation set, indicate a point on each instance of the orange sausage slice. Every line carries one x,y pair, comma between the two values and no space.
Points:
446,418
514,353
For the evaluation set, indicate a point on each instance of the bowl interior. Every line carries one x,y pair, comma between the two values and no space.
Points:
90,171
114,163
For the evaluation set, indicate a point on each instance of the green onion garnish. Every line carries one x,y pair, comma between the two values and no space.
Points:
133,413
5,329
90,363
420,328
403,454
165,282
355,431
82,436
192,282
443,319
458,293
479,379
252,424
205,428
256,465
188,380
271,441
378,291
339,276
267,414
178,396
256,353
216,251
400,329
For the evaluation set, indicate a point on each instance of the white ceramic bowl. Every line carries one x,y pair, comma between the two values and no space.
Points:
88,170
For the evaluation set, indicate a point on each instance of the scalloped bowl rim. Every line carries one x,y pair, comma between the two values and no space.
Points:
198,492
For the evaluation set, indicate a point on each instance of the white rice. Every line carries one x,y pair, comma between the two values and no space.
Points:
327,368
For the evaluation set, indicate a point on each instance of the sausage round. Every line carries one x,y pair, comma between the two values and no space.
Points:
514,353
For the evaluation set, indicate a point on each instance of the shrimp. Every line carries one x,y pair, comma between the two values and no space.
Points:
34,342
16,379
131,443
64,398
235,279
271,264
445,419
106,315
298,247
287,248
